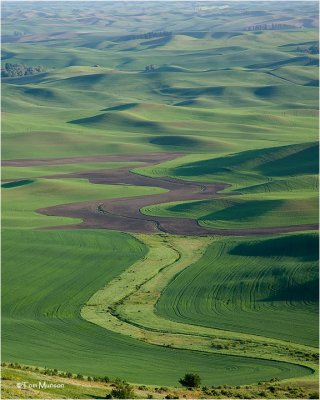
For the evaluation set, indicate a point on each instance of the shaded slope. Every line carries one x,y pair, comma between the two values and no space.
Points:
279,161
242,287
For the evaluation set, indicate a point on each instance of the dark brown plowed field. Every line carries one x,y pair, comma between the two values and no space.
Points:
152,158
124,214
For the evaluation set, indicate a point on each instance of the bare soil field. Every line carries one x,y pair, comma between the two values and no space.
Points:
124,214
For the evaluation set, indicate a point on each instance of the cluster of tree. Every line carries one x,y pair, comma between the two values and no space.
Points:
314,49
150,35
121,390
269,27
13,37
150,67
12,70
18,34
313,62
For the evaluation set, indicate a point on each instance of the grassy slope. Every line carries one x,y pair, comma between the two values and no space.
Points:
270,187
245,169
21,202
219,109
81,389
46,170
72,388
62,291
42,329
248,211
51,310
126,305
195,104
267,287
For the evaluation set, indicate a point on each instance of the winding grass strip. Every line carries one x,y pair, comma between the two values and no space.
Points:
126,305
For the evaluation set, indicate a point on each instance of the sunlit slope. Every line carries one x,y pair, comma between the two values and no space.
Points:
269,187
246,169
42,323
50,314
210,93
250,211
215,50
21,202
10,172
240,106
267,287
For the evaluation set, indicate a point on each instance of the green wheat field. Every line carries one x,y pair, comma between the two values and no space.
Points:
160,199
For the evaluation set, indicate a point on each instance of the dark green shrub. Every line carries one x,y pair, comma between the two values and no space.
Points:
190,380
122,390
272,389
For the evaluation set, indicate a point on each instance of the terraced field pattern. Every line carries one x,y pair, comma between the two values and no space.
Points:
160,193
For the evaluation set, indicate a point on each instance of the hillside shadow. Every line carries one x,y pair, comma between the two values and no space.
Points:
306,291
303,246
247,210
8,185
121,107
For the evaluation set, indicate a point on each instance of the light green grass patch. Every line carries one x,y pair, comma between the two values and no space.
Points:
246,211
46,170
20,203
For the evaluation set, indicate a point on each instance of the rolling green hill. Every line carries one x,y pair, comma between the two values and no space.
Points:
228,94
266,286
286,177
42,329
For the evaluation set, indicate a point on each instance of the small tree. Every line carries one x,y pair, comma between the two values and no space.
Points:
190,380
122,390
